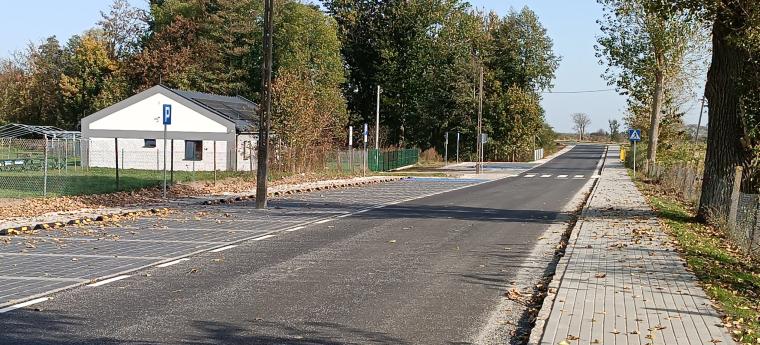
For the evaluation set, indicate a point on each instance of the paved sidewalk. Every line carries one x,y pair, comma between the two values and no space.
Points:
620,282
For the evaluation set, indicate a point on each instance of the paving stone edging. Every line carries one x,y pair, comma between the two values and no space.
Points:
137,212
553,287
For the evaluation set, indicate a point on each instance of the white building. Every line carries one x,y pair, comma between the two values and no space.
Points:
207,132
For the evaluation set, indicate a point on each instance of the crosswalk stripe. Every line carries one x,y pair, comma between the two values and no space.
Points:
578,176
561,176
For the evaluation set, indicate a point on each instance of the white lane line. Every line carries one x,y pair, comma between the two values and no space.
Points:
170,263
109,280
217,250
295,229
346,215
578,176
262,238
561,176
24,304
323,221
530,175
546,175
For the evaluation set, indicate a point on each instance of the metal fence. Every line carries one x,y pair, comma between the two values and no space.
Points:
31,167
386,160
685,180
746,227
55,167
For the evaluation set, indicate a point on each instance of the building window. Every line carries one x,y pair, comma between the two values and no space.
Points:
193,150
150,143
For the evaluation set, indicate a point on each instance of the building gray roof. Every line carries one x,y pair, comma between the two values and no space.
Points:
238,109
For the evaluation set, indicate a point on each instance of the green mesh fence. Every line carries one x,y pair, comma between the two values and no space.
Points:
379,160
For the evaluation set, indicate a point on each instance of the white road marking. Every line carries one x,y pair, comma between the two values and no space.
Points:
578,176
217,250
262,238
530,175
170,263
295,229
561,176
596,176
24,304
345,215
323,221
109,280
546,175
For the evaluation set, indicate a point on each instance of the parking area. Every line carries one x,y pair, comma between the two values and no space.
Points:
50,260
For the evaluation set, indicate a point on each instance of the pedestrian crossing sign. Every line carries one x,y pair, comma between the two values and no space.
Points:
634,135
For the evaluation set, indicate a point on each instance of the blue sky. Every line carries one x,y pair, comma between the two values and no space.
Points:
571,24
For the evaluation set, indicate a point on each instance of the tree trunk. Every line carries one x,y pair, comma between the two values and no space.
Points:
724,129
654,126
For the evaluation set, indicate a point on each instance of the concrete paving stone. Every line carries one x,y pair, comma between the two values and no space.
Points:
73,267
621,282
107,247
52,259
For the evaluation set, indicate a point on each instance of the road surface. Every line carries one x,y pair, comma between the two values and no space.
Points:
425,271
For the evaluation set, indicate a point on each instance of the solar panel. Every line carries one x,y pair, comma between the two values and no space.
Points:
236,109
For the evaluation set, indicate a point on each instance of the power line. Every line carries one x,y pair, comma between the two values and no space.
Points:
583,91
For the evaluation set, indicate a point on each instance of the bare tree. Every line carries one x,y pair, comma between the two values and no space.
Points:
614,130
581,121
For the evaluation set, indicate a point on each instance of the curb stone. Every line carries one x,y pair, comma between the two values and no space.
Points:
537,333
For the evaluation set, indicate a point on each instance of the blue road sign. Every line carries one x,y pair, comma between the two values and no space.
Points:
634,135
167,114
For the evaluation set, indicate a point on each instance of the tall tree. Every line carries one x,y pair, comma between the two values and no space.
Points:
731,89
614,130
309,108
90,79
645,51
124,27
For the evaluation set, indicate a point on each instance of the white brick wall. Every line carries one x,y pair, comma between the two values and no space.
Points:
134,155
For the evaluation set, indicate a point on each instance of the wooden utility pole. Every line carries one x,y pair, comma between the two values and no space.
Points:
480,126
266,104
699,123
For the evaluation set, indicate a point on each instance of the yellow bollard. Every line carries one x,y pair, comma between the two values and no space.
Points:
622,154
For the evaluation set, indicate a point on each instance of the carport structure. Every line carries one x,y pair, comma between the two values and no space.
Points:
27,152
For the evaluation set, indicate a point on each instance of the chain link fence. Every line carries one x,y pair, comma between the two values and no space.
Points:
685,180
56,167
38,167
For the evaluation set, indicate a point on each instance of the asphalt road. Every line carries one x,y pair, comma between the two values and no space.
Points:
427,271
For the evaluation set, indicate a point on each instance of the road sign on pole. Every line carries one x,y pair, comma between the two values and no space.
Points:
167,120
634,135
167,114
